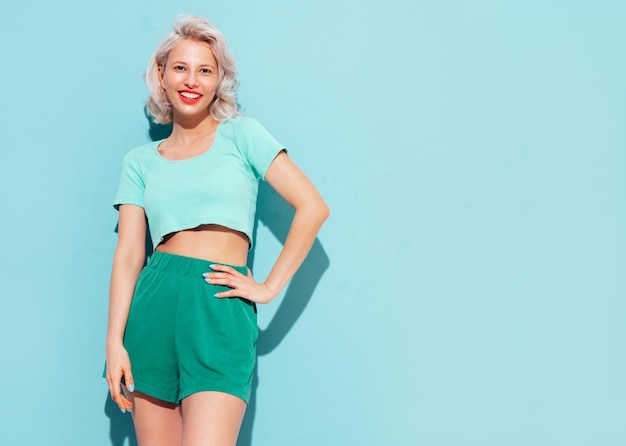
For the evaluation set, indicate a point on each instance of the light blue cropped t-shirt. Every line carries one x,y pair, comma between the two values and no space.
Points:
219,186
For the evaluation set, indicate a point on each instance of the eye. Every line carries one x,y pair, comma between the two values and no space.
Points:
205,71
178,68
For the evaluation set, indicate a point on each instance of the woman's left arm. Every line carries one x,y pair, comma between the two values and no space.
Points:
311,211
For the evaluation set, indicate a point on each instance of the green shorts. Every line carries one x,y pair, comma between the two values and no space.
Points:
181,339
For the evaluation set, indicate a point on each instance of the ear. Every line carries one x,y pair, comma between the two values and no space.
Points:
161,74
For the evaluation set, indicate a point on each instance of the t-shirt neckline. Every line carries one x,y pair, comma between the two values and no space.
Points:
210,149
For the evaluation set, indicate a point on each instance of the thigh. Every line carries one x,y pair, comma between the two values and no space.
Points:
149,335
157,423
211,419
216,342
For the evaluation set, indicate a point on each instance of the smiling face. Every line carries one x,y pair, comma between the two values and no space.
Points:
190,79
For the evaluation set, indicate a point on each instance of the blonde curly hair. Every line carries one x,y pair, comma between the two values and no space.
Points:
224,105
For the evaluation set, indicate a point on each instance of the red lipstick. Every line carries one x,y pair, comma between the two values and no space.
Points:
189,96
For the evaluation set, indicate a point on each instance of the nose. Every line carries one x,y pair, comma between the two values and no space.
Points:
191,81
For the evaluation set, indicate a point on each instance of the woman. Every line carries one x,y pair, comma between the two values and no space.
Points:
182,331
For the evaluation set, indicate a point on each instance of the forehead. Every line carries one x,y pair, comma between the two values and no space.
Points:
192,51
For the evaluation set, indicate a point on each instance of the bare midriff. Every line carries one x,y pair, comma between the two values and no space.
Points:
208,242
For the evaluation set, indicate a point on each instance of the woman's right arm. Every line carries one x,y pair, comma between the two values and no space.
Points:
127,263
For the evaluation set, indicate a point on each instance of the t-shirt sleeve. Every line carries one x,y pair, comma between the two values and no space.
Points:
257,145
131,189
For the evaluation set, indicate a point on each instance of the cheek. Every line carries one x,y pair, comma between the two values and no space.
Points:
167,89
168,95
166,82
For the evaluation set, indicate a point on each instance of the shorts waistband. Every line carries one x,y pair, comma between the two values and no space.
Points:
186,266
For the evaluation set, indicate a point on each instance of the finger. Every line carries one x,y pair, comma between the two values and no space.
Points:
225,269
129,381
129,385
214,279
216,276
229,293
249,295
109,382
116,395
123,403
225,280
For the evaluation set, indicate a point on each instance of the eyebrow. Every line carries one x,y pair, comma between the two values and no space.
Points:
185,63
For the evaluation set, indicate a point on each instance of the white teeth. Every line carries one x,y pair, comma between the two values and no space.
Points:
190,95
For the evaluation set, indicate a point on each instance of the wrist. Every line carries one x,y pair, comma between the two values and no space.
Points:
114,342
271,292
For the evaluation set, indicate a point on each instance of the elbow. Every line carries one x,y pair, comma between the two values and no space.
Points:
314,210
324,212
130,258
320,212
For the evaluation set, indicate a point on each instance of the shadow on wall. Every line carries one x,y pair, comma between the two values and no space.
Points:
276,215
120,426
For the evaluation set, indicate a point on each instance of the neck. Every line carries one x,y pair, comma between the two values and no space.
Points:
190,130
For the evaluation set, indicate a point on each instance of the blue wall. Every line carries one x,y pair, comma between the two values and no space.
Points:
469,286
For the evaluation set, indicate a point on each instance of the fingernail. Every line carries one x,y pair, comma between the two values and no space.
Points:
207,280
123,410
131,388
212,266
205,274
216,295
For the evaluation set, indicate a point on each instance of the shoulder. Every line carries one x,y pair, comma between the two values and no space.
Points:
243,124
143,149
246,132
142,152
